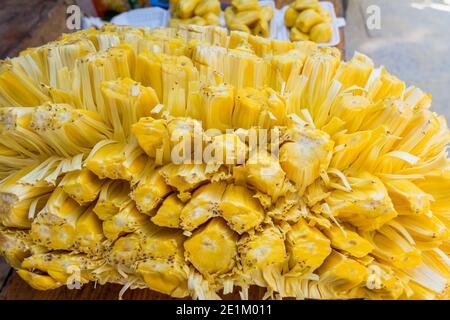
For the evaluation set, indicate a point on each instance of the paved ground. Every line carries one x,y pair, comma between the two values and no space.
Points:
413,42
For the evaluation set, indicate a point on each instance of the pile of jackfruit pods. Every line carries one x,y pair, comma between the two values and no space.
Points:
198,12
249,16
128,156
308,21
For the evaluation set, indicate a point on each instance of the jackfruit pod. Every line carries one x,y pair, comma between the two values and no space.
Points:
368,205
17,89
203,205
146,242
286,67
394,114
199,21
153,137
168,214
349,241
150,191
280,47
382,283
348,147
55,225
102,40
237,38
316,192
167,74
352,109
185,9
258,107
11,160
229,14
261,46
382,85
207,6
371,152
225,149
261,28
241,209
116,160
38,281
355,72
82,185
59,268
127,220
125,251
51,63
113,196
321,32
290,16
263,172
307,19
266,13
126,101
168,277
19,202
417,99
237,67
438,187
16,245
305,156
307,248
89,238
340,274
159,242
18,135
320,68
216,107
187,177
263,256
297,35
245,5
429,280
300,5
68,131
408,199
186,136
116,62
391,246
212,248
428,231
212,19
430,133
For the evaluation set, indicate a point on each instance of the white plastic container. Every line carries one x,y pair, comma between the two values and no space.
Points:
152,17
283,31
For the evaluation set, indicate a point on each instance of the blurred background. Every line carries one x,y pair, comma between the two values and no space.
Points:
412,38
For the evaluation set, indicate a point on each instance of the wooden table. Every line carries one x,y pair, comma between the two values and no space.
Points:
33,24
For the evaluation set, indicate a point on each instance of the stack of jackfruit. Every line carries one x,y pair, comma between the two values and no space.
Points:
249,16
198,12
308,20
347,197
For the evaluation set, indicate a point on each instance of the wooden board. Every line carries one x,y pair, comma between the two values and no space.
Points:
17,289
18,31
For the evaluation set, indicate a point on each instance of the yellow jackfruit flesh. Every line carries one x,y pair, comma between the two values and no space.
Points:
193,162
212,249
308,20
249,17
